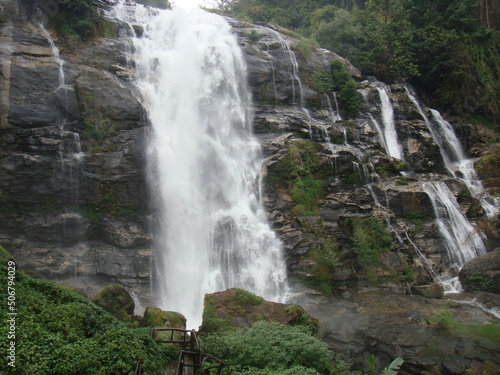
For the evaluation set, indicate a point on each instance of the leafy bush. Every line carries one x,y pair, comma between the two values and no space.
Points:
370,238
272,347
300,172
77,20
242,297
63,333
339,79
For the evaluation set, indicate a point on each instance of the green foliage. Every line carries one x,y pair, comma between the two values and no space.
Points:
445,321
162,4
272,347
441,46
393,368
322,260
299,172
481,282
306,47
488,170
301,317
340,80
370,238
414,216
63,333
77,20
305,192
244,298
402,180
210,320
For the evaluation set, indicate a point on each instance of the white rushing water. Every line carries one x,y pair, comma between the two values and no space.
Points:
456,162
213,230
388,134
462,240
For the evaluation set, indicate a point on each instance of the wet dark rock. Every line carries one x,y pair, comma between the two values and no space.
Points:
482,273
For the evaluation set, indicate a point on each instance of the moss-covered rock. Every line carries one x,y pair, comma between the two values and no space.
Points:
236,308
155,317
115,299
482,273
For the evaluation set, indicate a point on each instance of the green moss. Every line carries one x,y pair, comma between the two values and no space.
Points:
481,282
211,322
96,131
445,321
244,298
115,299
155,317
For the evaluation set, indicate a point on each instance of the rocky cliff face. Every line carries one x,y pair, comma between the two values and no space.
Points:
73,185
75,203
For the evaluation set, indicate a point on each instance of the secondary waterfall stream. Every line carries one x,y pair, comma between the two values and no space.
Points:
205,162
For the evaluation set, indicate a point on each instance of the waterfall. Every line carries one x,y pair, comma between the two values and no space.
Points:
70,151
213,231
457,164
462,240
388,134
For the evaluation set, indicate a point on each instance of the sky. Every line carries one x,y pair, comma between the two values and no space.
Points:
191,3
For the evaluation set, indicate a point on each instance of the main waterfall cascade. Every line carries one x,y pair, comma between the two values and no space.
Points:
213,232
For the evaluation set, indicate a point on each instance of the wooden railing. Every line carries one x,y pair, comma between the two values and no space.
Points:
192,361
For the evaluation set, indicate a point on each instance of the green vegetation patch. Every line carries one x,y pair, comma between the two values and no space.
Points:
211,322
321,261
338,79
445,321
273,348
244,298
60,332
76,21
300,173
488,170
370,238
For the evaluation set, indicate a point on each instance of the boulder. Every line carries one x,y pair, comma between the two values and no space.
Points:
116,300
156,317
239,308
482,273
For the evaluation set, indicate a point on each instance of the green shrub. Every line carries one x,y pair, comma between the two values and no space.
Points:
77,20
63,333
370,238
244,298
271,346
339,79
300,173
